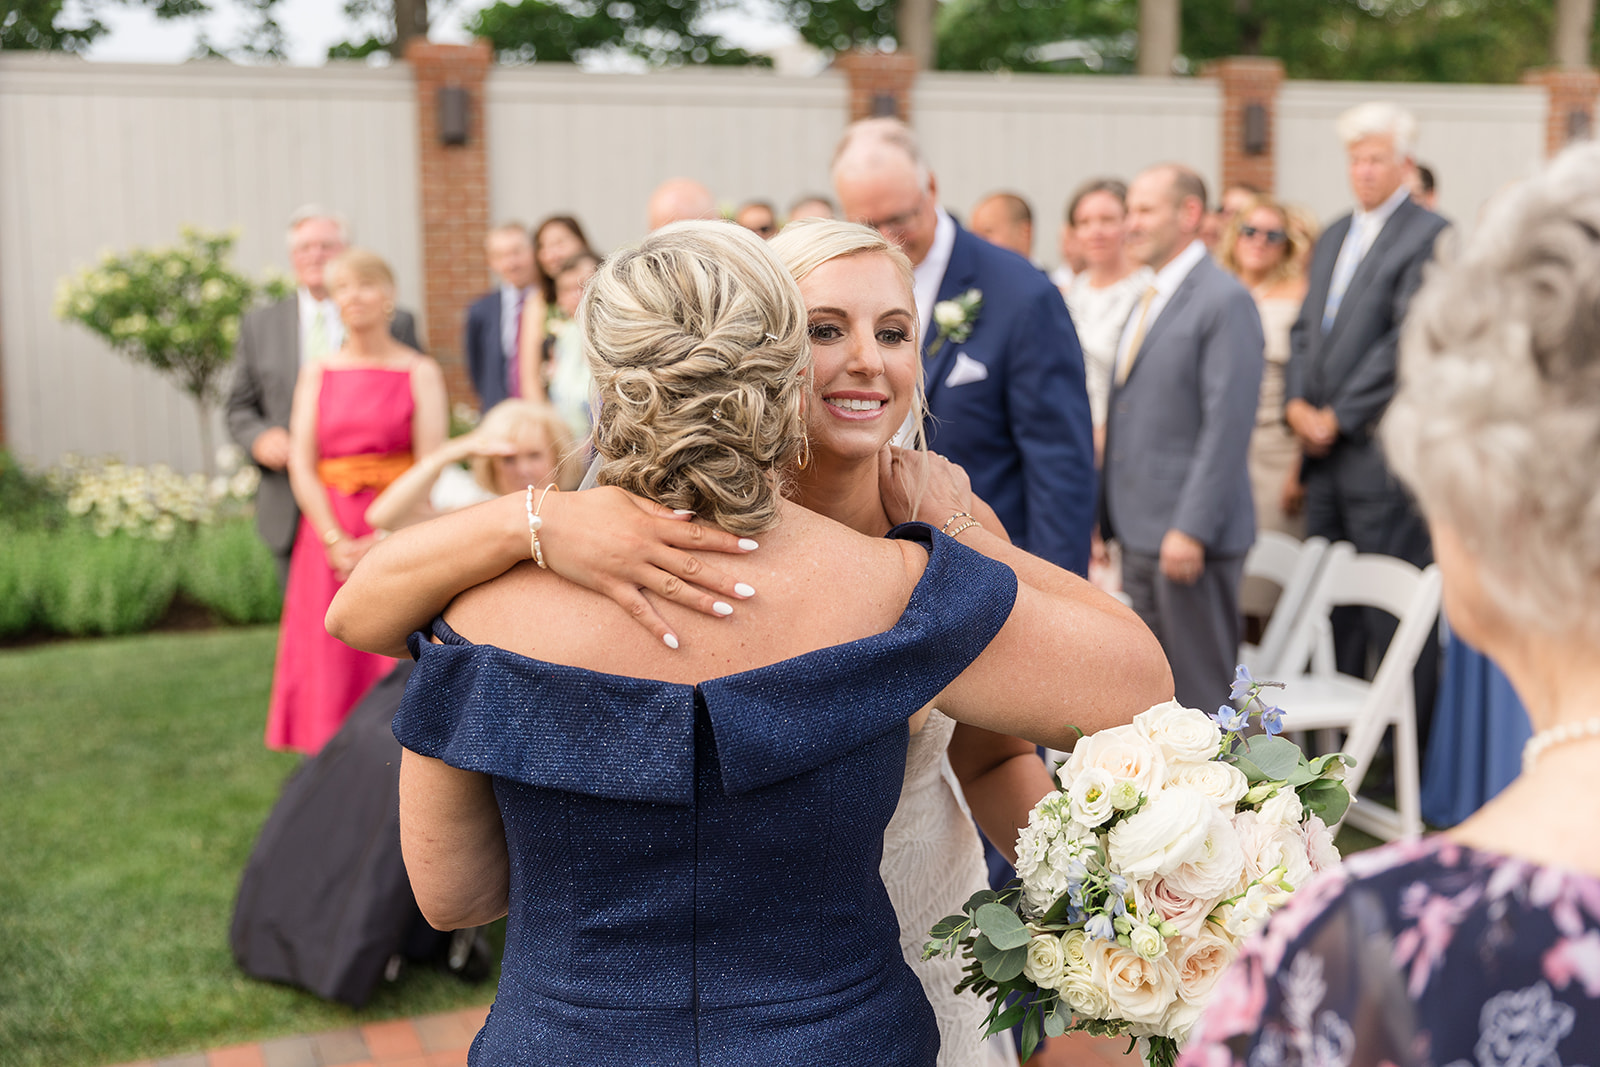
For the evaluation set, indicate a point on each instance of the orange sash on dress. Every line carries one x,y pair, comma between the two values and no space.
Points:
351,474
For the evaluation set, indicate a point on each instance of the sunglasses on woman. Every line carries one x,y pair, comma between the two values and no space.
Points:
1272,237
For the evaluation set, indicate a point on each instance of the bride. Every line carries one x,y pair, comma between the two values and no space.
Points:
867,370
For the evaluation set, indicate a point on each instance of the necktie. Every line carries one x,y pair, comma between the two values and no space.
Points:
514,357
1138,335
317,342
1344,270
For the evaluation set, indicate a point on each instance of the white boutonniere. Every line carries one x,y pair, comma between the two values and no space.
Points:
953,319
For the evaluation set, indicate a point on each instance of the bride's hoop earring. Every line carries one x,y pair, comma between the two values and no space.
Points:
805,454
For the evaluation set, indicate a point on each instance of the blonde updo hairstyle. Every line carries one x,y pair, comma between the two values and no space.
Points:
697,340
806,244
1495,424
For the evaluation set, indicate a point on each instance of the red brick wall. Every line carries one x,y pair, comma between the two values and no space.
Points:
1248,80
875,74
455,201
1569,92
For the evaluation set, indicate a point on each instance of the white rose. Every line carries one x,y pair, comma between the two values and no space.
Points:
1221,782
1283,809
1179,1018
1075,953
947,314
1146,941
1268,845
1090,796
1121,753
1218,863
1044,963
1200,961
1320,849
1183,735
1140,990
1166,833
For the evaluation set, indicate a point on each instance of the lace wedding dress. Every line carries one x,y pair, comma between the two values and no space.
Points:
932,862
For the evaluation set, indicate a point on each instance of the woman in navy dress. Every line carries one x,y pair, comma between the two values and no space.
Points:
1479,947
687,841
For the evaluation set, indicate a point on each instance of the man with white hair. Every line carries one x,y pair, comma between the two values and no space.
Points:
274,342
1004,372
1341,372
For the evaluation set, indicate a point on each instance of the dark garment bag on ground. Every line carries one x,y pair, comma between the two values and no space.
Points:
325,903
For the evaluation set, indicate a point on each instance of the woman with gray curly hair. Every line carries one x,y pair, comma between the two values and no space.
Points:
687,840
1481,945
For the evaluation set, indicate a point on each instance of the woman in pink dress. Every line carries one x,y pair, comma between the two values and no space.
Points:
359,417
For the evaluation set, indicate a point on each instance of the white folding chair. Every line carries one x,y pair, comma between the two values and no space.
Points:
1325,700
1292,565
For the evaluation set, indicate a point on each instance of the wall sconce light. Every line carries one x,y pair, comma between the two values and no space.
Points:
1255,130
1579,125
453,104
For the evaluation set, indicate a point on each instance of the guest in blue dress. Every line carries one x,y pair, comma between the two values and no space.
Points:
687,841
1480,946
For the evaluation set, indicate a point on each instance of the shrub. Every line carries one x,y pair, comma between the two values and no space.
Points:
20,565
117,584
28,501
227,569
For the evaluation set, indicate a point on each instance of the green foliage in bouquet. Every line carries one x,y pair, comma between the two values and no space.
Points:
1170,840
175,309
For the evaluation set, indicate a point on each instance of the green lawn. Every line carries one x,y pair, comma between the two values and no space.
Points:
133,781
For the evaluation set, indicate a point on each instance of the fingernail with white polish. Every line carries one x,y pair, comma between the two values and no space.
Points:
722,609
747,544
671,641
682,511
744,590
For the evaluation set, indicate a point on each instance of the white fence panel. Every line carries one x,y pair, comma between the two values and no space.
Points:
104,157
1041,135
1477,139
595,145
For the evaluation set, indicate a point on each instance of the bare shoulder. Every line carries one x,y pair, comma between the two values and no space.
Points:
502,610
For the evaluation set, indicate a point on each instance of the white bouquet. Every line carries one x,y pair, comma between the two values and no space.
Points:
1169,841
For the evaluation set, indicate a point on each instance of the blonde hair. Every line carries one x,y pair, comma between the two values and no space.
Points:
698,343
509,418
1296,247
361,265
1496,419
806,244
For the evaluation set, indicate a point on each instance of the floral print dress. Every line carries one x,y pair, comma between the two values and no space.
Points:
1419,954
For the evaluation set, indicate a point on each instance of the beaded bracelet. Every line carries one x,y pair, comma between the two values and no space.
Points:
945,529
535,523
964,527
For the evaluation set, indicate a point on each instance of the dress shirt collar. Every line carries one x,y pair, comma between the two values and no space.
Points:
332,324
1373,221
929,274
1171,276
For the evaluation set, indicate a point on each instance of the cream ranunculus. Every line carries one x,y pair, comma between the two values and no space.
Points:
1140,990
1044,962
1162,836
1121,753
1218,863
1183,735
1320,849
1283,809
1268,845
1221,782
1090,796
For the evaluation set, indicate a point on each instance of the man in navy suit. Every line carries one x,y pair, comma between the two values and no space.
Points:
492,335
1006,396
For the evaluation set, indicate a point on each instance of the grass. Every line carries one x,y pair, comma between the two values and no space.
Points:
133,782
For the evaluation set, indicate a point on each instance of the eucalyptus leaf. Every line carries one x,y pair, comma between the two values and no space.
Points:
1277,757
1302,776
983,950
1055,1023
1001,926
1251,772
1007,965
1327,800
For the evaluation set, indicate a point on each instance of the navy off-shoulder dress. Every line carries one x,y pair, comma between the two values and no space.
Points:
694,869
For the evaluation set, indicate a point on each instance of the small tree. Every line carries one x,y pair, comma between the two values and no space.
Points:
175,309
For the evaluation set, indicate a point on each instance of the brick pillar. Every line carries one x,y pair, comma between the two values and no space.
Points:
454,197
880,83
1570,115
1249,119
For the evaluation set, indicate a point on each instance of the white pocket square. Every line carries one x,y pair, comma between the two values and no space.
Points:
966,370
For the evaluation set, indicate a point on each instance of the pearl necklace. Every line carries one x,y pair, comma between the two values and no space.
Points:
1557,735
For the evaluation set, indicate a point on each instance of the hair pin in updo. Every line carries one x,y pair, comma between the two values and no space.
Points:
772,337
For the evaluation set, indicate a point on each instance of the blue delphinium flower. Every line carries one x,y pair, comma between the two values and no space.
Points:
1242,683
1100,926
1272,720
1231,719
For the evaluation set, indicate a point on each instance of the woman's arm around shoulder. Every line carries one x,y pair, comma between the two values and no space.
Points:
453,842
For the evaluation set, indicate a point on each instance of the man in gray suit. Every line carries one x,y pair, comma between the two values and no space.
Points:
273,343
1176,488
1341,372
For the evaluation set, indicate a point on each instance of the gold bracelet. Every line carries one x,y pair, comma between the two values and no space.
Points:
945,529
964,527
536,523
333,536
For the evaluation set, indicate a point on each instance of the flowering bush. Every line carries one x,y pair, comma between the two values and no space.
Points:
1170,840
175,309
154,502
